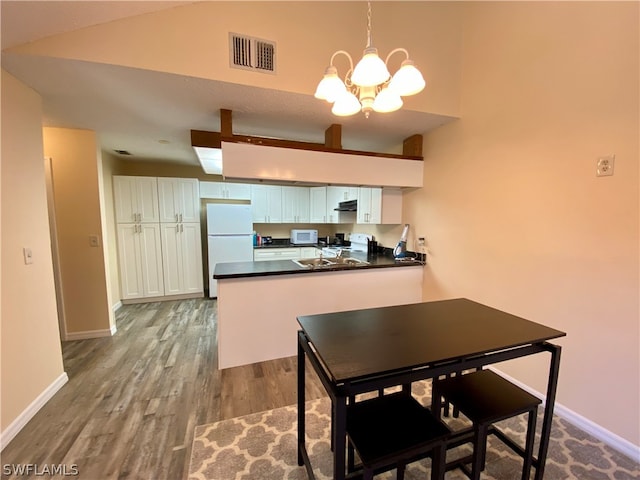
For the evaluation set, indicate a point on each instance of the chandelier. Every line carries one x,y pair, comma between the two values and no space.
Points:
370,86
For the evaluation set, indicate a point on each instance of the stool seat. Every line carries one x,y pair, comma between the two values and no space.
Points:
485,396
390,430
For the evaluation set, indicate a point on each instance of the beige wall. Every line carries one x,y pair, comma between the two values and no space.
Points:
75,159
514,214
306,33
31,357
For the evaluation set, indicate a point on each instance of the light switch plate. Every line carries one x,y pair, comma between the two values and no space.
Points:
28,255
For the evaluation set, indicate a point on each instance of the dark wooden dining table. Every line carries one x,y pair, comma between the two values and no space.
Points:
365,350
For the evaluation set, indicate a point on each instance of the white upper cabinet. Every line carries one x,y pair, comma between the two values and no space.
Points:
225,190
335,195
295,205
369,205
266,203
136,199
318,204
179,200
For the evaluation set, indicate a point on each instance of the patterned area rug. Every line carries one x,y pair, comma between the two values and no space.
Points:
262,446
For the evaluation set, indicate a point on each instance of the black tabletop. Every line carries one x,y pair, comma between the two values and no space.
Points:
359,343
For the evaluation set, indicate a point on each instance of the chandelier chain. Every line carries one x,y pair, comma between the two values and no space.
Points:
368,24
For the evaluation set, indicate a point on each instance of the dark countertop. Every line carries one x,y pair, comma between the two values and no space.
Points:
288,267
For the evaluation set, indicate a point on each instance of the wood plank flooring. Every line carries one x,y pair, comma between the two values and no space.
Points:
133,400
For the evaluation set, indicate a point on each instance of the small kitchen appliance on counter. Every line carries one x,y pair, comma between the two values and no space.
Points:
401,249
304,237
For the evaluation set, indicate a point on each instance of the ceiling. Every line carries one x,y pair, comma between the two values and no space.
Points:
150,114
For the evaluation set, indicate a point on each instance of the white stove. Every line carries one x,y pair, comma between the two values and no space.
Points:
359,243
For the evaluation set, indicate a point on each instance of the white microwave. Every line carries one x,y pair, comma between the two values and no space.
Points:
304,237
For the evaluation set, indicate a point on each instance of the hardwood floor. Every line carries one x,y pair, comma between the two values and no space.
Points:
133,400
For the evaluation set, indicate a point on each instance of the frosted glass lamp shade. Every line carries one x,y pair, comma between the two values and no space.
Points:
370,70
330,87
407,80
387,101
346,104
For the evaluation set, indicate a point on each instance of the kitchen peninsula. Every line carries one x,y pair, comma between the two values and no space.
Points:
258,302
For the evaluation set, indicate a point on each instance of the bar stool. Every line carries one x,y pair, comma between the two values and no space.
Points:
392,430
484,397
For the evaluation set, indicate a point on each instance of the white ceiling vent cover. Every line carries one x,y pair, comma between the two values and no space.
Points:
249,53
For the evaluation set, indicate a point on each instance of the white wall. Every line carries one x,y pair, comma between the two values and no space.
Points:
513,212
31,356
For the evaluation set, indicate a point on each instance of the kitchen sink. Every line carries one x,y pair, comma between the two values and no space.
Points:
312,262
326,263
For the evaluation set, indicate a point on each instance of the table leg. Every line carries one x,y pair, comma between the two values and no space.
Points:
547,422
301,401
339,438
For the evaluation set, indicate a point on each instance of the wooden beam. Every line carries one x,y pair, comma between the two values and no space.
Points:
412,146
226,123
200,138
333,137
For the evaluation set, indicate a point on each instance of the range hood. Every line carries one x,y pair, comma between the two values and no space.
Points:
348,206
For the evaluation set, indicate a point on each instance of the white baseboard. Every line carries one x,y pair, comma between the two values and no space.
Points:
614,441
107,332
18,424
117,306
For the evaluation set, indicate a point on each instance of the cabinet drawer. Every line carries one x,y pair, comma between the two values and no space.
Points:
276,254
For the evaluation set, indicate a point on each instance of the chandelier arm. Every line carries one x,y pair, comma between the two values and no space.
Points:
344,53
386,62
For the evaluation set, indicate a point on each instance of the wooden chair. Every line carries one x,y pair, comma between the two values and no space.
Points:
485,398
392,430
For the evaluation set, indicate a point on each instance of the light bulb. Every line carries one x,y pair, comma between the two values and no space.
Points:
407,80
346,104
370,70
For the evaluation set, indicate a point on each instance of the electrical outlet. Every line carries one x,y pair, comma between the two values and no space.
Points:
605,166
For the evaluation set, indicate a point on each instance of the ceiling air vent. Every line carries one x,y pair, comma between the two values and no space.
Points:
249,53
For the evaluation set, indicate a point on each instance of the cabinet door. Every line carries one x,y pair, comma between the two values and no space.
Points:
171,258
191,246
304,205
238,191
369,205
129,261
259,204
179,200
212,190
318,204
136,199
295,205
140,259
151,259
147,199
266,203
182,258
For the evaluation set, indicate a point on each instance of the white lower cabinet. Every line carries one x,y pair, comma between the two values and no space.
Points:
262,255
140,258
182,258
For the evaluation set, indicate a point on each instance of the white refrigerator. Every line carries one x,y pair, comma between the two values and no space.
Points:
229,236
